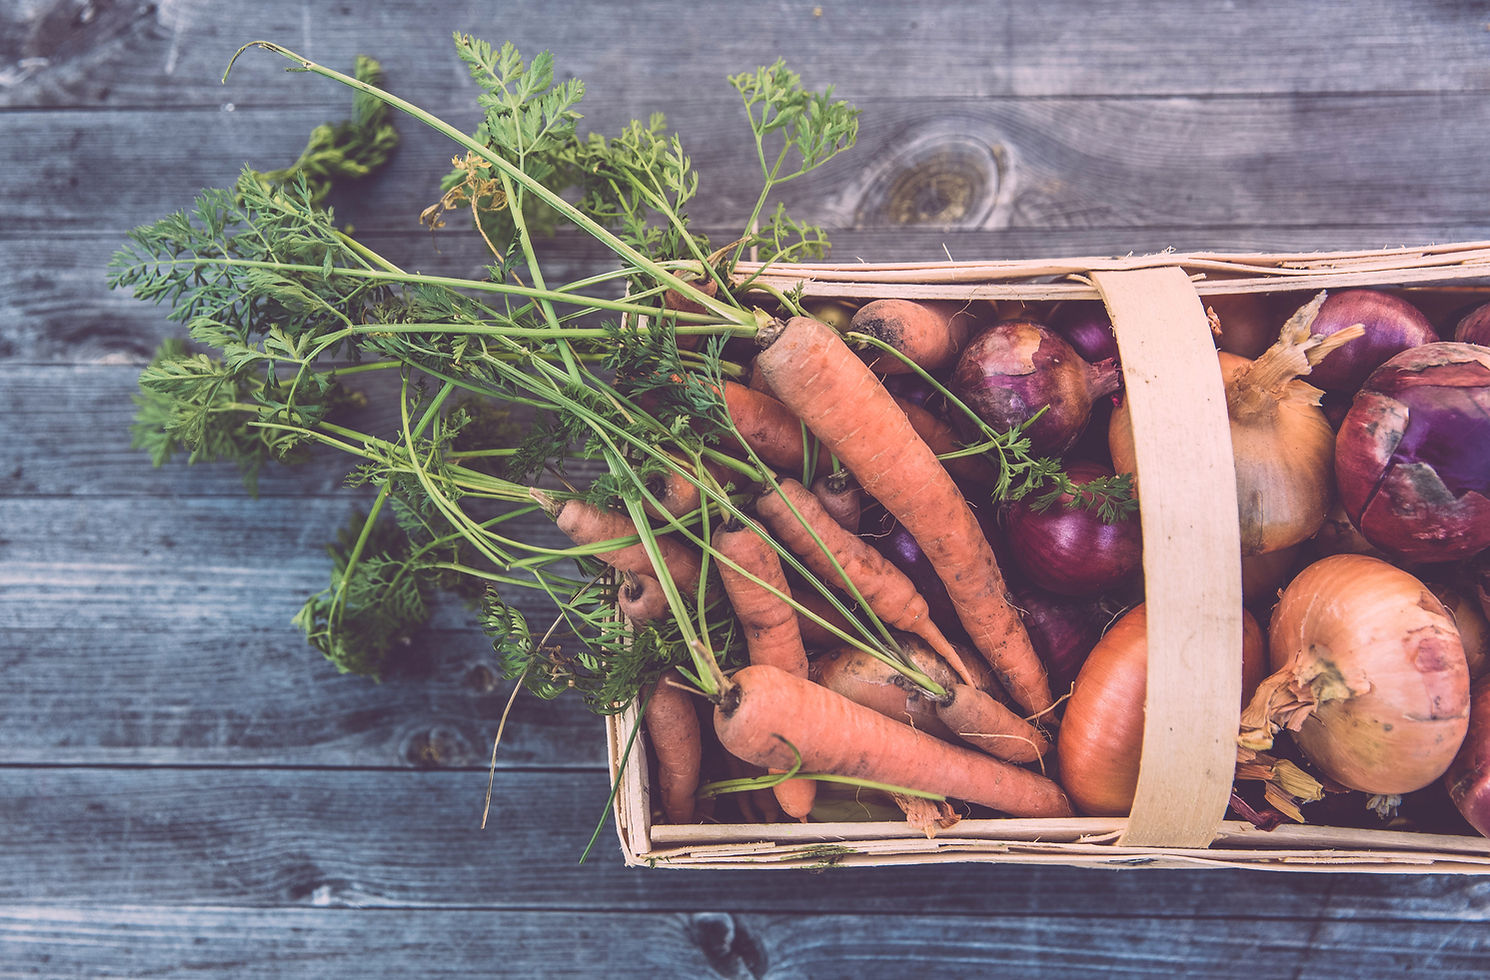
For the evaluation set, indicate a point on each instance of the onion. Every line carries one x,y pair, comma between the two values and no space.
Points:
1101,734
1338,536
1413,454
1368,673
1069,549
1391,325
1474,328
1264,574
1087,327
1479,571
1281,441
1248,322
1011,370
1469,620
1468,777
896,543
1063,630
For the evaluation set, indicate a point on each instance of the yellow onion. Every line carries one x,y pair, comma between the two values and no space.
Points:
1282,442
1369,675
1101,733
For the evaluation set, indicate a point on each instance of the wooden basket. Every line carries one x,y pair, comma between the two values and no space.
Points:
1192,571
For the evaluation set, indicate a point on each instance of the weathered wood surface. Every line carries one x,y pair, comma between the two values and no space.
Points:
186,787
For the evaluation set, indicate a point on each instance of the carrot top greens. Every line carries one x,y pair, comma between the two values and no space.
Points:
478,399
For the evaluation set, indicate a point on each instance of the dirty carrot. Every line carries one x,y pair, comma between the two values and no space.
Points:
673,729
586,524
983,722
825,383
928,333
641,598
797,519
759,595
768,717
840,497
768,427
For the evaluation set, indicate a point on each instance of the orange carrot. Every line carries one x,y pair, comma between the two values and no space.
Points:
640,598
676,494
769,623
815,635
768,427
765,713
866,679
931,333
672,728
826,384
969,471
981,721
887,590
586,524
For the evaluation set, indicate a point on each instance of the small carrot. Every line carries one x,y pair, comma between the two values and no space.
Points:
675,492
825,383
767,716
981,721
751,570
930,333
768,427
673,730
640,598
886,590
586,524
814,634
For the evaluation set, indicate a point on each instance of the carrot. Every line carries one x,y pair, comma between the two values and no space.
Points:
640,598
675,492
586,524
674,300
866,679
765,713
815,635
839,495
887,591
969,471
983,722
826,384
673,730
768,427
769,623
930,333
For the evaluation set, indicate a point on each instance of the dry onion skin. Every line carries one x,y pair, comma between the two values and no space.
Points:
1282,442
1369,676
1101,734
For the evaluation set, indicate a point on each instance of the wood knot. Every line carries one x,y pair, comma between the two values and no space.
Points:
939,178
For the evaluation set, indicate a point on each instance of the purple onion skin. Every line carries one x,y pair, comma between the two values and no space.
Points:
896,544
1069,550
1474,327
1012,369
1392,326
911,387
1088,329
1412,458
1468,777
1063,630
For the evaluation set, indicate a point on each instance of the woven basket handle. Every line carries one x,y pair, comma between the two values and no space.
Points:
1191,555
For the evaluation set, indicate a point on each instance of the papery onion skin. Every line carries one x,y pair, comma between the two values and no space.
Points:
1474,327
1392,325
1071,550
1364,622
1468,777
1011,370
1101,733
1412,458
1087,327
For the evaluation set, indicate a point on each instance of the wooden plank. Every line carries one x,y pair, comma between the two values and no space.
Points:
136,53
989,164
704,943
296,838
55,307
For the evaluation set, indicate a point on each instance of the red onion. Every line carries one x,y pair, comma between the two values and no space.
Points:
1088,329
1013,369
1412,458
1392,325
1062,630
1468,776
1474,328
1069,549
897,544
